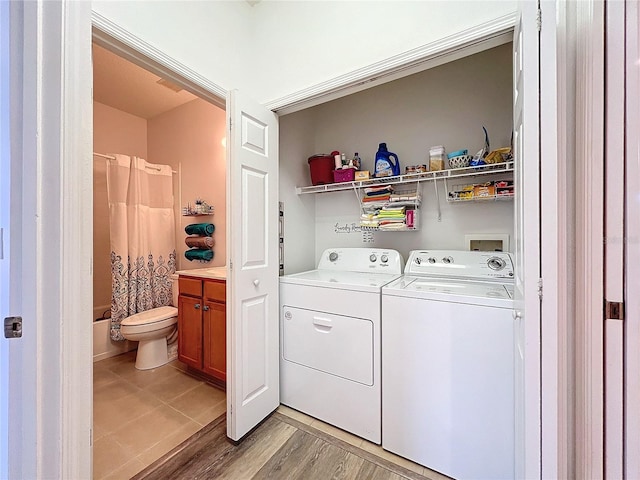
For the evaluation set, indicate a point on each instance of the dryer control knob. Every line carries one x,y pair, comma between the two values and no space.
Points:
384,259
447,260
432,260
333,256
418,260
496,263
373,257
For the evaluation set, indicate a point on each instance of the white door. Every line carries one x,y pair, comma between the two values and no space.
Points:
252,294
632,246
527,244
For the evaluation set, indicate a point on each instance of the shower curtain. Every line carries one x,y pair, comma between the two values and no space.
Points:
141,222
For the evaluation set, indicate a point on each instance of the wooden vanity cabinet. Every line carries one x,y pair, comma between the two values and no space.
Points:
202,316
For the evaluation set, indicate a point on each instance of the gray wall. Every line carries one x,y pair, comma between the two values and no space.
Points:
446,105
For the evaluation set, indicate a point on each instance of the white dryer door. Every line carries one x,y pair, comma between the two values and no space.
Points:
334,344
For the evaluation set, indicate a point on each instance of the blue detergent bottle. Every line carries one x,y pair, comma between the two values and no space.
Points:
386,164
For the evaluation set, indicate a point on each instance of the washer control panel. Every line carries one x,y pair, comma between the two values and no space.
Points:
378,260
460,264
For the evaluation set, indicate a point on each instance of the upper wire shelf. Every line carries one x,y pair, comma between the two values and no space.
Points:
410,178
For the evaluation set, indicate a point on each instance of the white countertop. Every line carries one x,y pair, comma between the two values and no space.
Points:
217,273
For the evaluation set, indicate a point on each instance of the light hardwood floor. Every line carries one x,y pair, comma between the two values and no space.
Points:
140,416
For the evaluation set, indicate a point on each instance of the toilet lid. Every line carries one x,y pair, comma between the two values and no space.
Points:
151,316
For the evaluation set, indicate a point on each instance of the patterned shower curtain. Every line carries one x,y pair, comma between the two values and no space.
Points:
141,222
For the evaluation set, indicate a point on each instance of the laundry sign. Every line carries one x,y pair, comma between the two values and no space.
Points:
347,227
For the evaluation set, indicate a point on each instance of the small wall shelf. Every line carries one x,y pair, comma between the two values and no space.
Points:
197,211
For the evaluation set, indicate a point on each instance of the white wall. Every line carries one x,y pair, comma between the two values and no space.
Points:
212,38
279,47
447,105
297,133
303,43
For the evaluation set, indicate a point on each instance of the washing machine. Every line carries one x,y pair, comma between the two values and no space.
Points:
330,338
448,356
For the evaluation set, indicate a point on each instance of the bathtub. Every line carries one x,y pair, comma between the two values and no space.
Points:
103,346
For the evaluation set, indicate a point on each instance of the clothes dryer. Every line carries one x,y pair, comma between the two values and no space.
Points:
330,338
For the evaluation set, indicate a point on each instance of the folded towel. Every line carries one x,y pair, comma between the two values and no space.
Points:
199,242
198,254
200,229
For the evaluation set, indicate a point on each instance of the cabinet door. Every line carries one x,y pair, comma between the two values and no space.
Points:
190,331
215,344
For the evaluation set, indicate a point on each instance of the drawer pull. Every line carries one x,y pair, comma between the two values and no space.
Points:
196,306
322,324
205,308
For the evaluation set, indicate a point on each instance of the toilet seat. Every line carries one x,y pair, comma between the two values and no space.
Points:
150,320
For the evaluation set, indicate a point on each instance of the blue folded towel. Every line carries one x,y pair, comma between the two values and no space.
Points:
200,229
199,254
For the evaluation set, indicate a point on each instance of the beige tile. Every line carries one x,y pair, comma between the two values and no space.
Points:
102,377
129,357
98,432
336,432
111,392
146,431
178,365
109,416
167,444
126,471
207,416
109,455
172,387
198,400
380,452
295,414
144,378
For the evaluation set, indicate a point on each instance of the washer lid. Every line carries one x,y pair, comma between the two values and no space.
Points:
362,282
479,293
151,316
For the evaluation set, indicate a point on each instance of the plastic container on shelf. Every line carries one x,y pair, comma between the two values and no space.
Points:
321,168
436,158
344,175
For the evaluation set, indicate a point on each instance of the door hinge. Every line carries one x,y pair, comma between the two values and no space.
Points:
13,327
540,288
613,310
230,123
539,20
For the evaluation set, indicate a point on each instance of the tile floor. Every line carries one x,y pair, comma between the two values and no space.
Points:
138,416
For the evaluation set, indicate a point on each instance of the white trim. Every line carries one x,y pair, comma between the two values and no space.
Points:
590,111
614,232
128,46
461,44
632,244
76,145
554,192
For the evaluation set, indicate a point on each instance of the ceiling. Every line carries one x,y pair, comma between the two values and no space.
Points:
121,84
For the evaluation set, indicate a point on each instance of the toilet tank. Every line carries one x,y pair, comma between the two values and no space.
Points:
174,289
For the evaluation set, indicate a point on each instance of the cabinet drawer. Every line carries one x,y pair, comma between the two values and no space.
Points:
215,290
190,286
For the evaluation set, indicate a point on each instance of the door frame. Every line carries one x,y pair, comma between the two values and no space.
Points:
74,277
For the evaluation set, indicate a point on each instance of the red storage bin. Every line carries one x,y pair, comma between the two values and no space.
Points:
321,168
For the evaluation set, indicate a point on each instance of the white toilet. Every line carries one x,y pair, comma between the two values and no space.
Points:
152,329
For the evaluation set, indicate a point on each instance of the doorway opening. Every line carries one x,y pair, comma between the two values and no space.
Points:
141,109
